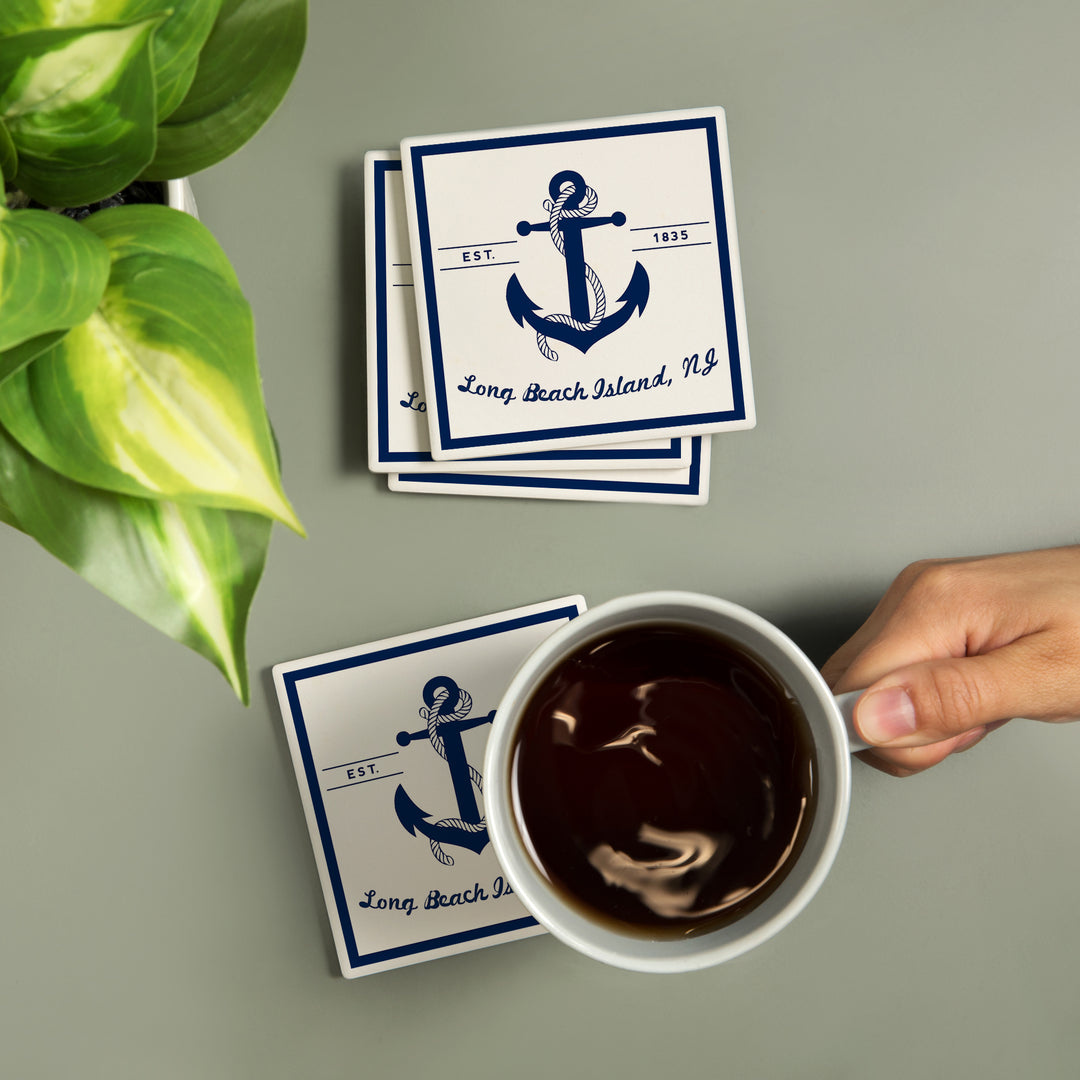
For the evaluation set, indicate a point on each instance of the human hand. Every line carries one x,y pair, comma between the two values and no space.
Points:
956,648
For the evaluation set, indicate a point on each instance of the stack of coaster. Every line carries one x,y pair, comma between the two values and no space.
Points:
556,312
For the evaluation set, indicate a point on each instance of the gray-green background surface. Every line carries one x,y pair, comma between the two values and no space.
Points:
907,189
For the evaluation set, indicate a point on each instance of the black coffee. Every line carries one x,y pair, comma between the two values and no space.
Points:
664,779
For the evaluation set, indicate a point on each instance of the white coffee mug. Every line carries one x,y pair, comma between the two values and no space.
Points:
829,720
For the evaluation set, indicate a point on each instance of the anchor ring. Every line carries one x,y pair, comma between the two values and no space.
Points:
573,200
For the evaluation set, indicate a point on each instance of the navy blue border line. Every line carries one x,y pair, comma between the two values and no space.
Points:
568,483
450,939
290,680
707,124
383,404
670,453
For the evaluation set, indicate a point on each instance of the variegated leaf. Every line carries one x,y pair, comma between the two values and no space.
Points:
79,106
18,356
7,515
147,229
52,275
176,44
188,570
157,394
9,157
245,68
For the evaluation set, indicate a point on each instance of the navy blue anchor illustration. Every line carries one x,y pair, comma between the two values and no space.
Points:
446,710
571,203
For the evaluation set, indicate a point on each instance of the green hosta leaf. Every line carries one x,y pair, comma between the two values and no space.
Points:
175,48
52,274
79,106
148,229
9,157
157,394
188,570
19,15
245,68
7,515
17,357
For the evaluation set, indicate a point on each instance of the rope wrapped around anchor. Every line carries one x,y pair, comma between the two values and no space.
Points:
435,718
557,210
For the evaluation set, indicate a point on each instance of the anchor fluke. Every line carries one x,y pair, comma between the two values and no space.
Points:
634,298
636,293
409,814
519,304
457,834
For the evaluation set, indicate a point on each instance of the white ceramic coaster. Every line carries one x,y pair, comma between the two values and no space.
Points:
397,421
577,283
688,484
387,740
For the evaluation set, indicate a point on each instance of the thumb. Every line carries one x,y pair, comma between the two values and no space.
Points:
939,699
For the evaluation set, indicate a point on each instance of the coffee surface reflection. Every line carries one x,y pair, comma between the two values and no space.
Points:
663,779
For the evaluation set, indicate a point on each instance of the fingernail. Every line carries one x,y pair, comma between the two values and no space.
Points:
886,715
976,735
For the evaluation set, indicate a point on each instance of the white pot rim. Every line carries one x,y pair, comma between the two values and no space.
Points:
178,194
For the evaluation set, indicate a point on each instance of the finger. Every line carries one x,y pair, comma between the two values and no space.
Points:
836,667
934,609
909,760
938,699
902,639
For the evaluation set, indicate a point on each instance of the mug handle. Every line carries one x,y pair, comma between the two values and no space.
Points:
846,704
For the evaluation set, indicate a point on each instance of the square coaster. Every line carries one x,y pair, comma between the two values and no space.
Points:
397,409
577,283
388,740
688,485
